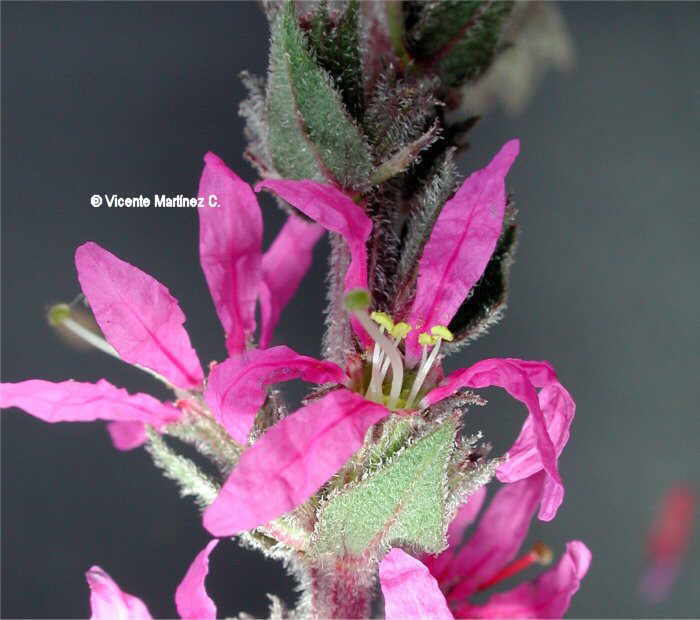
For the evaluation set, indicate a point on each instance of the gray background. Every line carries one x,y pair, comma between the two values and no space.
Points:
126,98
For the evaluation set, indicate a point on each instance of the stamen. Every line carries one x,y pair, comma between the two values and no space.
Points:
357,302
383,319
539,554
423,369
440,331
400,330
60,316
426,339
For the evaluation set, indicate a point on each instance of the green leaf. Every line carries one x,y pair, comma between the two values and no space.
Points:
310,132
403,501
459,38
336,44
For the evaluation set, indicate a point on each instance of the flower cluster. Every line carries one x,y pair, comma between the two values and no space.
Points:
393,372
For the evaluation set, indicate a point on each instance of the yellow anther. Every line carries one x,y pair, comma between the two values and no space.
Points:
426,339
383,319
401,330
440,331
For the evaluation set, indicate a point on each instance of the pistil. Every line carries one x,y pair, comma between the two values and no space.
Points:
539,554
60,315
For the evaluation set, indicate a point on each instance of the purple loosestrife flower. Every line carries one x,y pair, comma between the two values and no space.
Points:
143,323
301,452
441,586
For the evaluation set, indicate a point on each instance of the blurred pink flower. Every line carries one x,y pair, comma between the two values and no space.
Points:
445,583
668,540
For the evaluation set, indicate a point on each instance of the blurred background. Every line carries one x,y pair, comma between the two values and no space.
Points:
127,97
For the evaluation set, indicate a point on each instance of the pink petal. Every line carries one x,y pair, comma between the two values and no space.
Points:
497,539
291,461
108,602
548,596
283,267
460,246
230,239
524,459
515,379
237,388
465,516
73,401
410,591
127,435
138,315
191,598
335,212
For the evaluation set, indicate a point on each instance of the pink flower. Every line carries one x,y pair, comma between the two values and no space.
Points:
109,602
669,539
447,581
143,323
290,459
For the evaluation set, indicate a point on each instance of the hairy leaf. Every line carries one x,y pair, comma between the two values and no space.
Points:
336,43
403,501
459,38
310,135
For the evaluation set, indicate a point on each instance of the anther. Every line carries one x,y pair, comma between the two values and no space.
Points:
400,330
440,331
383,319
426,340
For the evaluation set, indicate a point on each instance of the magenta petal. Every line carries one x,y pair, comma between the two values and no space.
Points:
558,409
236,388
138,315
230,239
460,246
108,602
283,267
127,435
465,516
291,461
73,401
510,375
548,596
410,591
498,537
191,598
337,213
